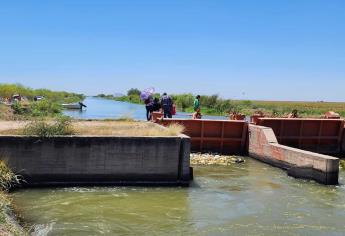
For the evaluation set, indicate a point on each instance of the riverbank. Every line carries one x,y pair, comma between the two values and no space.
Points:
18,102
8,221
214,105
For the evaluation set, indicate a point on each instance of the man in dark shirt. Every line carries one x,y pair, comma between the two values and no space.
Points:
166,103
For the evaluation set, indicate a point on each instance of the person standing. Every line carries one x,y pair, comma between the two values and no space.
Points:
156,104
149,107
197,103
197,110
166,103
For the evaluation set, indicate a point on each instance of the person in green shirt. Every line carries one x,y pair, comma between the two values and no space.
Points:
197,103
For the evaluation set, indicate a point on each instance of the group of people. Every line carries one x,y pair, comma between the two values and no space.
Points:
166,105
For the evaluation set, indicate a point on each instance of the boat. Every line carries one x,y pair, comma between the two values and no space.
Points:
75,106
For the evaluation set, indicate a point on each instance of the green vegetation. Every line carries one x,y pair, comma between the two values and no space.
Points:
7,180
7,90
44,129
214,105
50,105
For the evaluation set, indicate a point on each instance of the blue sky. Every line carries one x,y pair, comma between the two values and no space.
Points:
272,50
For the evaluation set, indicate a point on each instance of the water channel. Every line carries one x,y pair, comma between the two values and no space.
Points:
99,108
250,198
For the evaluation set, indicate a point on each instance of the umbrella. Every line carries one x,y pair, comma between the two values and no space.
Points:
146,93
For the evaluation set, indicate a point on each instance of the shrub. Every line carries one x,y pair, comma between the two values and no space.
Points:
41,128
45,108
17,108
183,101
209,101
7,178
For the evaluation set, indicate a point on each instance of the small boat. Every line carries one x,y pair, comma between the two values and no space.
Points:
75,106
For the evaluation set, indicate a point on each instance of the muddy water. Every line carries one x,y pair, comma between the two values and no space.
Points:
250,198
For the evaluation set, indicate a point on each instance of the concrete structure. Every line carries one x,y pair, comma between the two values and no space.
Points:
316,135
79,160
220,136
263,146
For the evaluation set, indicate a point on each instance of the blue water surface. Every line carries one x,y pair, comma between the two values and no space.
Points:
100,108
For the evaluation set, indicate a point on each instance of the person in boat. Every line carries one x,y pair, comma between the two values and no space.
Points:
149,107
197,103
166,103
293,114
197,115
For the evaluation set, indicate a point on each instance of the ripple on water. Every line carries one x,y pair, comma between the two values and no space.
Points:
252,198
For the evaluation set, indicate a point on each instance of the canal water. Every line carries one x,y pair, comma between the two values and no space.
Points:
250,198
100,108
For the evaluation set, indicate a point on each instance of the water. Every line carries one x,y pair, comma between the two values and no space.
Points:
251,198
100,108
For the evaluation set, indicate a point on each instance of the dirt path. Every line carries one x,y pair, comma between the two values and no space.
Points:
8,125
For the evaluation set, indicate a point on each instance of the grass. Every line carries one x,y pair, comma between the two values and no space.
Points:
6,113
122,127
7,180
125,128
305,109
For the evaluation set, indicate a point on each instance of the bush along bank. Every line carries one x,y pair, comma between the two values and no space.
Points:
43,129
8,221
8,90
49,104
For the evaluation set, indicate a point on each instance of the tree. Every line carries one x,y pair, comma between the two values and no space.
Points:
133,92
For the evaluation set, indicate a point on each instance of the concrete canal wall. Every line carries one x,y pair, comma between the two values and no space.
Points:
78,160
263,146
